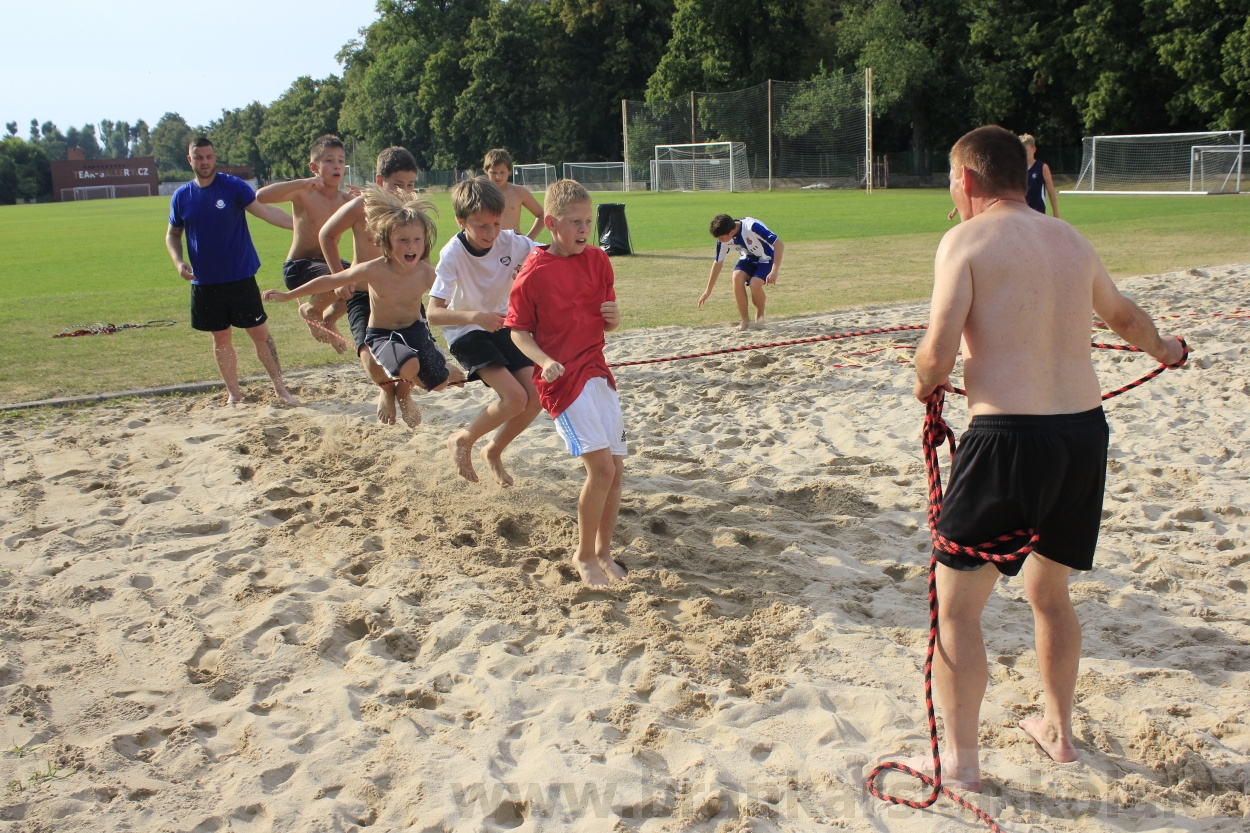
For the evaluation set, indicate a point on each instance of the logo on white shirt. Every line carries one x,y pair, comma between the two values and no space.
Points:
221,203
505,260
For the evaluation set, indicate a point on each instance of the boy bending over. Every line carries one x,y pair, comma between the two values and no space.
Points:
759,262
397,335
561,305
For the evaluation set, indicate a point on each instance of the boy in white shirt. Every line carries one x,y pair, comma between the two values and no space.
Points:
469,300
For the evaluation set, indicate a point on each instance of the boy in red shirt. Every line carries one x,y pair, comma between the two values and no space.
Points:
561,305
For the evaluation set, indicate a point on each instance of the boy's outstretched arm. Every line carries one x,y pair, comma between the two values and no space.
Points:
524,342
440,315
775,272
535,208
332,232
271,214
286,191
711,281
325,283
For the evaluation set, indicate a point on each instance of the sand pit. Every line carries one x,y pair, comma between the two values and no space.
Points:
294,619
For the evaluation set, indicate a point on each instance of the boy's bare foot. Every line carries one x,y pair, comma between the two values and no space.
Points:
744,326
407,408
493,457
924,763
613,569
321,331
590,571
386,405
1049,740
460,445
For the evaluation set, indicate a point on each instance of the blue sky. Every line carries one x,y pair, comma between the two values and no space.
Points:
76,62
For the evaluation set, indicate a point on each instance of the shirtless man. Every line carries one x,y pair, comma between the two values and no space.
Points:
313,201
498,166
1013,289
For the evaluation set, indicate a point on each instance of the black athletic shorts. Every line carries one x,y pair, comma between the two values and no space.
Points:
220,306
358,317
299,272
1042,472
393,348
477,349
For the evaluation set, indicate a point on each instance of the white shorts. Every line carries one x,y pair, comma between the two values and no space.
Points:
593,421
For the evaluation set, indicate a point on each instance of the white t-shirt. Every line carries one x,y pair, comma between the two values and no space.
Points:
467,282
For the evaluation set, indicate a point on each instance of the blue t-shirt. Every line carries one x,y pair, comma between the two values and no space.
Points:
753,241
215,225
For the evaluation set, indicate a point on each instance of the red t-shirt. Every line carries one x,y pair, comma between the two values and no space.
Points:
557,299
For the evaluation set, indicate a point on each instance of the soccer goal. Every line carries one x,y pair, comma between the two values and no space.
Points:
597,176
535,177
1162,163
710,166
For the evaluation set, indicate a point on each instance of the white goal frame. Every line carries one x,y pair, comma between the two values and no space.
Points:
536,176
592,182
1199,145
701,170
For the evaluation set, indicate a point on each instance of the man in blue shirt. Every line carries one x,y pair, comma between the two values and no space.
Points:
759,262
223,266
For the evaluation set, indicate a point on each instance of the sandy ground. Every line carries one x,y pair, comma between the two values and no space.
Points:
295,619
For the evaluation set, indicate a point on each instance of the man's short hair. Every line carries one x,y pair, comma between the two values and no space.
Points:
199,142
996,159
385,212
561,194
395,159
470,196
722,224
322,144
1028,141
497,156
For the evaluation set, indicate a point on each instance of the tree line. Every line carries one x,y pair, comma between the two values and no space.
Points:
450,78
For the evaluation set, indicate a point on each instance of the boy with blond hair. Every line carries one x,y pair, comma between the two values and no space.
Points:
398,335
313,201
498,166
396,171
469,301
561,305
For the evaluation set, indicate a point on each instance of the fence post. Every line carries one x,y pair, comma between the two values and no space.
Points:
868,127
770,134
625,137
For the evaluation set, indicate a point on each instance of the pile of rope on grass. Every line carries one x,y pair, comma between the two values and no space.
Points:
107,329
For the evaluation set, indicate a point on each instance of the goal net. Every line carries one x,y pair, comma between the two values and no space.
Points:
535,177
710,166
1162,163
597,176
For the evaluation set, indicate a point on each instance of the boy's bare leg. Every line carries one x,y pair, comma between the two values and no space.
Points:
267,352
513,402
607,526
314,311
386,387
960,674
403,392
758,298
740,298
492,452
601,472
227,364
1057,634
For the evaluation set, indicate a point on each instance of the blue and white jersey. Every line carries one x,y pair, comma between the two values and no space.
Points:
753,240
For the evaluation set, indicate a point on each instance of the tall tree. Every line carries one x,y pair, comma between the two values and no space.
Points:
24,171
12,128
170,139
1207,44
234,136
308,109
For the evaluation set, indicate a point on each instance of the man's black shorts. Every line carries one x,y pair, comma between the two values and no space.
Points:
1042,472
477,349
220,306
299,272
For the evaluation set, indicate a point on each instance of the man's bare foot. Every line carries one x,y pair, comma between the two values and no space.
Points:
321,331
286,396
1049,740
744,326
759,323
493,457
407,408
613,569
234,397
591,573
971,782
460,445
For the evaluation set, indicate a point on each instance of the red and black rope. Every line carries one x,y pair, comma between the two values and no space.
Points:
108,329
936,432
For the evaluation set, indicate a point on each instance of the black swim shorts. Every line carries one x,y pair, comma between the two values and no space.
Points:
299,272
477,349
1042,472
358,317
220,306
393,348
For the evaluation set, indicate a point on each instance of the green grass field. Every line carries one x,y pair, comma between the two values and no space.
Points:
104,261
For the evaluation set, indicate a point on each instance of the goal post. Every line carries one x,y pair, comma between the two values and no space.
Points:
536,177
597,176
1162,163
706,166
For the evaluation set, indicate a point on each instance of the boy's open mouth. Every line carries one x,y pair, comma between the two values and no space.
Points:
410,258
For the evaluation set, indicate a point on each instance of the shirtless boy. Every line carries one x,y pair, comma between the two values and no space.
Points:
396,172
398,335
1014,290
498,166
313,201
